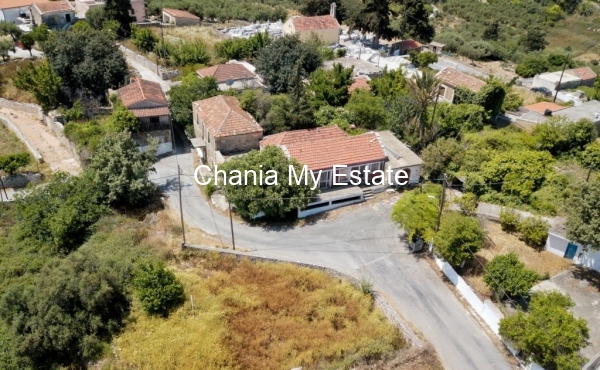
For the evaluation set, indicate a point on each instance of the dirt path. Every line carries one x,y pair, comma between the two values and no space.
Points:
44,141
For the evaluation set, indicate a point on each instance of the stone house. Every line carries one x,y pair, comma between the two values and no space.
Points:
232,75
222,128
178,17
15,10
57,15
452,78
149,104
326,27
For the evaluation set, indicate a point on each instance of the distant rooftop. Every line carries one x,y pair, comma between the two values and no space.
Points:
322,22
456,78
177,13
542,106
53,6
399,154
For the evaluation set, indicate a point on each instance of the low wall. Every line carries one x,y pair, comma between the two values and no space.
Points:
22,107
58,129
21,180
163,74
8,123
380,302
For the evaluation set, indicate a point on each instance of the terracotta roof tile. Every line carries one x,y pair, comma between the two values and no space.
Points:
585,73
359,83
7,4
350,150
321,22
314,134
54,6
151,112
455,78
542,106
140,90
224,72
177,13
410,44
223,116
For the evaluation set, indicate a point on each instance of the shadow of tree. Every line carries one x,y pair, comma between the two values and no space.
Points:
589,275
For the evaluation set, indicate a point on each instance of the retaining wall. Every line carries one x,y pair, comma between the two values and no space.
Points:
163,74
22,107
8,123
380,302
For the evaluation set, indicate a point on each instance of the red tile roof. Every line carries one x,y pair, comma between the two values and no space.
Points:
54,6
324,147
8,4
314,134
585,73
223,116
140,90
455,78
177,13
151,112
351,150
224,72
359,83
542,106
410,44
321,22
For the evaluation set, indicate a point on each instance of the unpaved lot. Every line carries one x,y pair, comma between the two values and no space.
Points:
58,157
583,286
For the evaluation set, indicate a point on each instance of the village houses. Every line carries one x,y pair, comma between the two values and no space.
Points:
326,27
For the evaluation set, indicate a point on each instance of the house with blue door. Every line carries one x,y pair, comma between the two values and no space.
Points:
562,247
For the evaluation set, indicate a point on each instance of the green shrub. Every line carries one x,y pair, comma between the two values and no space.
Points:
506,274
340,53
468,204
158,288
143,38
12,162
534,231
509,220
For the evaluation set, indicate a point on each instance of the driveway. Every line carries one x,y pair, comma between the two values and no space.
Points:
148,74
362,243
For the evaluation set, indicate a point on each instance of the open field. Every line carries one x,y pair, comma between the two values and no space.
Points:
258,316
576,32
499,243
8,71
9,142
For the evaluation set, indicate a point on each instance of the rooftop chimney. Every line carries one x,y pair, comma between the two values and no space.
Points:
332,10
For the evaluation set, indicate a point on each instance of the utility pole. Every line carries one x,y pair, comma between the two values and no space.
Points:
181,205
560,80
588,175
441,207
231,223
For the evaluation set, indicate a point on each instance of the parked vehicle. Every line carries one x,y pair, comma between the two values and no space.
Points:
542,90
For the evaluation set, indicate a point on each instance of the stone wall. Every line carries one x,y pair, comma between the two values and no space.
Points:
21,180
8,123
163,74
380,302
22,107
238,143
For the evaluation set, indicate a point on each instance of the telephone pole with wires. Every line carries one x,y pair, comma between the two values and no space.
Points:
231,224
180,204
441,206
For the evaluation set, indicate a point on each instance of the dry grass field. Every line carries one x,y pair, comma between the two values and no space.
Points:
500,242
8,71
577,32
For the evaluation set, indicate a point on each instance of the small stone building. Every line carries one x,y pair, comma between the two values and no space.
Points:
452,78
232,75
178,17
326,27
223,129
56,15
149,104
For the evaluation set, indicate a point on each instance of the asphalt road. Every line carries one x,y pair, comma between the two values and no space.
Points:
362,243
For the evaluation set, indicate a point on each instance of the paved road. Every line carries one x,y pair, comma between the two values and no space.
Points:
361,243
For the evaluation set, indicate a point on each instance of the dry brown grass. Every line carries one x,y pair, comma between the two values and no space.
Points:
502,243
207,34
9,143
528,96
8,71
257,316
576,32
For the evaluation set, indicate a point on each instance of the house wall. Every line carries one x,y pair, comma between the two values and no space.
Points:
185,21
588,82
414,174
288,27
540,81
139,10
54,21
238,143
11,14
165,142
448,95
558,245
329,36
241,84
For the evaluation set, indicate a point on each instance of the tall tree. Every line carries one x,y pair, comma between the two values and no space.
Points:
458,238
9,28
424,88
534,39
42,82
96,17
583,223
120,10
492,31
373,16
27,41
548,334
416,213
415,19
121,170
277,62
191,89
330,87
276,202
506,274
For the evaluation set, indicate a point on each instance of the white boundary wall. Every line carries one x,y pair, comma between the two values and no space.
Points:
557,244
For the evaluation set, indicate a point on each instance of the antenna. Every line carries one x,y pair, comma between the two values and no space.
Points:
229,82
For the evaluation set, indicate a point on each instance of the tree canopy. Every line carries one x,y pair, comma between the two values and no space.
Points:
120,11
506,274
10,163
278,200
191,89
42,82
416,213
583,222
330,87
548,334
458,238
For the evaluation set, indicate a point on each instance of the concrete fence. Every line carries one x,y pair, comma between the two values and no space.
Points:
162,73
22,107
379,301
8,123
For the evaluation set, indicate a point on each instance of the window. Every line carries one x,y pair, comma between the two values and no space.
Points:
325,180
442,91
154,120
68,18
341,175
